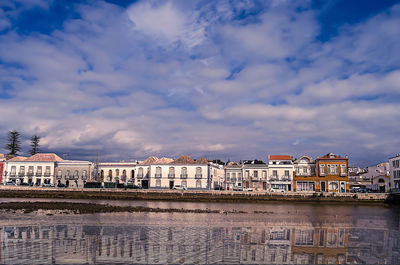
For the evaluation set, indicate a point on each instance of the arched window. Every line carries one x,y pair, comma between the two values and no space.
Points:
102,174
76,174
140,173
198,173
171,172
132,174
184,173
198,184
184,183
67,174
59,174
84,175
109,175
158,172
117,172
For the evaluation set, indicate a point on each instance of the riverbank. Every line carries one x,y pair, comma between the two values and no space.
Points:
194,196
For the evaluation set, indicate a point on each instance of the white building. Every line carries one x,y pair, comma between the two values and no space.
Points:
280,172
184,171
233,176
255,175
394,163
34,170
304,170
114,173
378,176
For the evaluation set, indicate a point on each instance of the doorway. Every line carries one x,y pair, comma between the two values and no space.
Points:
323,188
145,184
171,184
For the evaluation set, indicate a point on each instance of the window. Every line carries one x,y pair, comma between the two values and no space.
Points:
158,172
39,171
140,173
233,179
47,172
198,172
342,169
304,170
322,169
132,174
59,174
184,172
30,170
332,169
275,173
76,174
297,169
264,174
228,177
287,173
117,172
198,184
67,174
158,183
247,173
22,170
171,172
84,174
256,174
124,173
13,170
184,183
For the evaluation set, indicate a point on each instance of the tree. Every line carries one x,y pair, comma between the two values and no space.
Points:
35,145
14,144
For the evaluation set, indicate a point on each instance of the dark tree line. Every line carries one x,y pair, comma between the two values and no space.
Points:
14,143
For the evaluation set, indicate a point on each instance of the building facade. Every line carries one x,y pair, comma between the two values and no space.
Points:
72,173
304,176
114,173
394,163
255,175
233,176
280,172
2,162
332,173
34,170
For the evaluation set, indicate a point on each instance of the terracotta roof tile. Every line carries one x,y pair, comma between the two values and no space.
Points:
149,160
164,160
201,160
280,157
46,157
18,158
183,159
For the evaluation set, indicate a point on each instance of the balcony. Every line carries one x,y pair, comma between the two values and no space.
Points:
343,174
84,177
322,174
38,174
139,176
158,175
171,176
47,174
12,175
183,176
58,176
21,174
198,176
30,174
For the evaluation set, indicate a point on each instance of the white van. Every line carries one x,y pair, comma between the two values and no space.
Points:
179,187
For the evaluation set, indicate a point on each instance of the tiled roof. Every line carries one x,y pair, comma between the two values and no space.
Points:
201,160
280,157
47,157
183,159
18,158
331,156
164,160
149,160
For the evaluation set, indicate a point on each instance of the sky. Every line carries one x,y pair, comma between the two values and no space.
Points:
229,80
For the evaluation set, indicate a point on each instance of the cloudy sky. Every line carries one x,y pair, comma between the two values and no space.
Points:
220,79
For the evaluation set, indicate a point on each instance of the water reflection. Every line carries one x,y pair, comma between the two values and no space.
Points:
278,243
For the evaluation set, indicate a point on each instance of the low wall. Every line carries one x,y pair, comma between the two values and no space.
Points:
194,196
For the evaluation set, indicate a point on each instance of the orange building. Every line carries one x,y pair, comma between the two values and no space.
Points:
328,173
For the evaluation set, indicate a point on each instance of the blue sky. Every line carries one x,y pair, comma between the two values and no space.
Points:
220,79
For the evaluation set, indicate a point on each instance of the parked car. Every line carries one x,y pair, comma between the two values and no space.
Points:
48,185
276,190
24,184
132,186
61,185
10,183
248,189
238,188
179,187
218,188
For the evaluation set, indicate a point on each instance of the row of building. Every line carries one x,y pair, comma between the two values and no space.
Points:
328,173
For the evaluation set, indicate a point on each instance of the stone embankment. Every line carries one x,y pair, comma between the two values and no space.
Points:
193,196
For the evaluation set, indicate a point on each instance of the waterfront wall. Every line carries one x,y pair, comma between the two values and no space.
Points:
194,196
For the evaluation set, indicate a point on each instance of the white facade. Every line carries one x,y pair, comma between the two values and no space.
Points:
304,167
394,164
191,176
31,172
117,172
255,176
280,172
233,176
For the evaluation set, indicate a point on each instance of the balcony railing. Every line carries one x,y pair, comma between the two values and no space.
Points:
58,176
38,174
30,174
21,174
198,176
183,176
12,175
343,174
47,174
322,174
139,176
158,175
171,176
84,177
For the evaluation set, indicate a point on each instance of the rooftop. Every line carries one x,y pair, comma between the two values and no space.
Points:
280,157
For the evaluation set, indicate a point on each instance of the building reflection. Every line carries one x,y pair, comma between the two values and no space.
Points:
269,244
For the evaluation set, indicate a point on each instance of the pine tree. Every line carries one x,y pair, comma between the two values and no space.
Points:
35,145
14,144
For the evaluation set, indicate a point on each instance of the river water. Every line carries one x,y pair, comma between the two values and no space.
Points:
276,233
